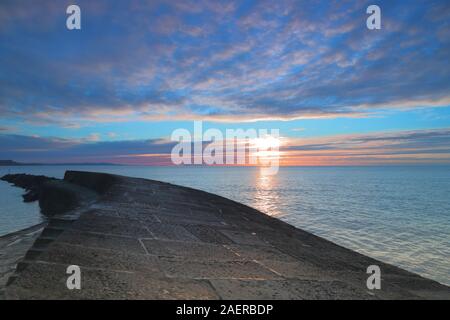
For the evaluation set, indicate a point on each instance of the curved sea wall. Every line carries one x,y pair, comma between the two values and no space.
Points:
143,239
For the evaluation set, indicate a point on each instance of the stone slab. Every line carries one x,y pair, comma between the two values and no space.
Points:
179,268
193,251
105,241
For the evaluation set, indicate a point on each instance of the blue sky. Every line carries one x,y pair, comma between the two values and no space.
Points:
137,70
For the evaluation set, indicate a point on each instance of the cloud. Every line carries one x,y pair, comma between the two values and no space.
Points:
219,61
54,150
93,137
401,147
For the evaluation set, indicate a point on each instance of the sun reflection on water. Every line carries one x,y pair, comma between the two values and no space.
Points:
267,198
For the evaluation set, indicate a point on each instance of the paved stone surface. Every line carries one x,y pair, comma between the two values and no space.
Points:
209,235
13,248
288,289
144,239
185,268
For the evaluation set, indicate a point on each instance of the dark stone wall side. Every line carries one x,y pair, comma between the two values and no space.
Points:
57,197
98,182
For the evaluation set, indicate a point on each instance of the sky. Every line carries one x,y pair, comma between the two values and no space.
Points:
114,91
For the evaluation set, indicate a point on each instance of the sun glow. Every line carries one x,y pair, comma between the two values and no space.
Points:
267,143
267,150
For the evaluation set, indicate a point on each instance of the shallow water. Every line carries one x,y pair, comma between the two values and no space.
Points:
14,213
400,215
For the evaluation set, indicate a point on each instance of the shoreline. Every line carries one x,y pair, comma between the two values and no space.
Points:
23,231
185,233
13,248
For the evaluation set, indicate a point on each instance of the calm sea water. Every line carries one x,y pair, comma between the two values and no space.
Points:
400,215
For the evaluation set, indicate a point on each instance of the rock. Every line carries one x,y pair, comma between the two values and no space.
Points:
55,196
26,181
31,183
30,196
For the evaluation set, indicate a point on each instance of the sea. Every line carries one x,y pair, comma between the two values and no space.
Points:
397,214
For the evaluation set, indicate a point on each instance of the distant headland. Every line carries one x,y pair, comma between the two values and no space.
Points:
15,163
